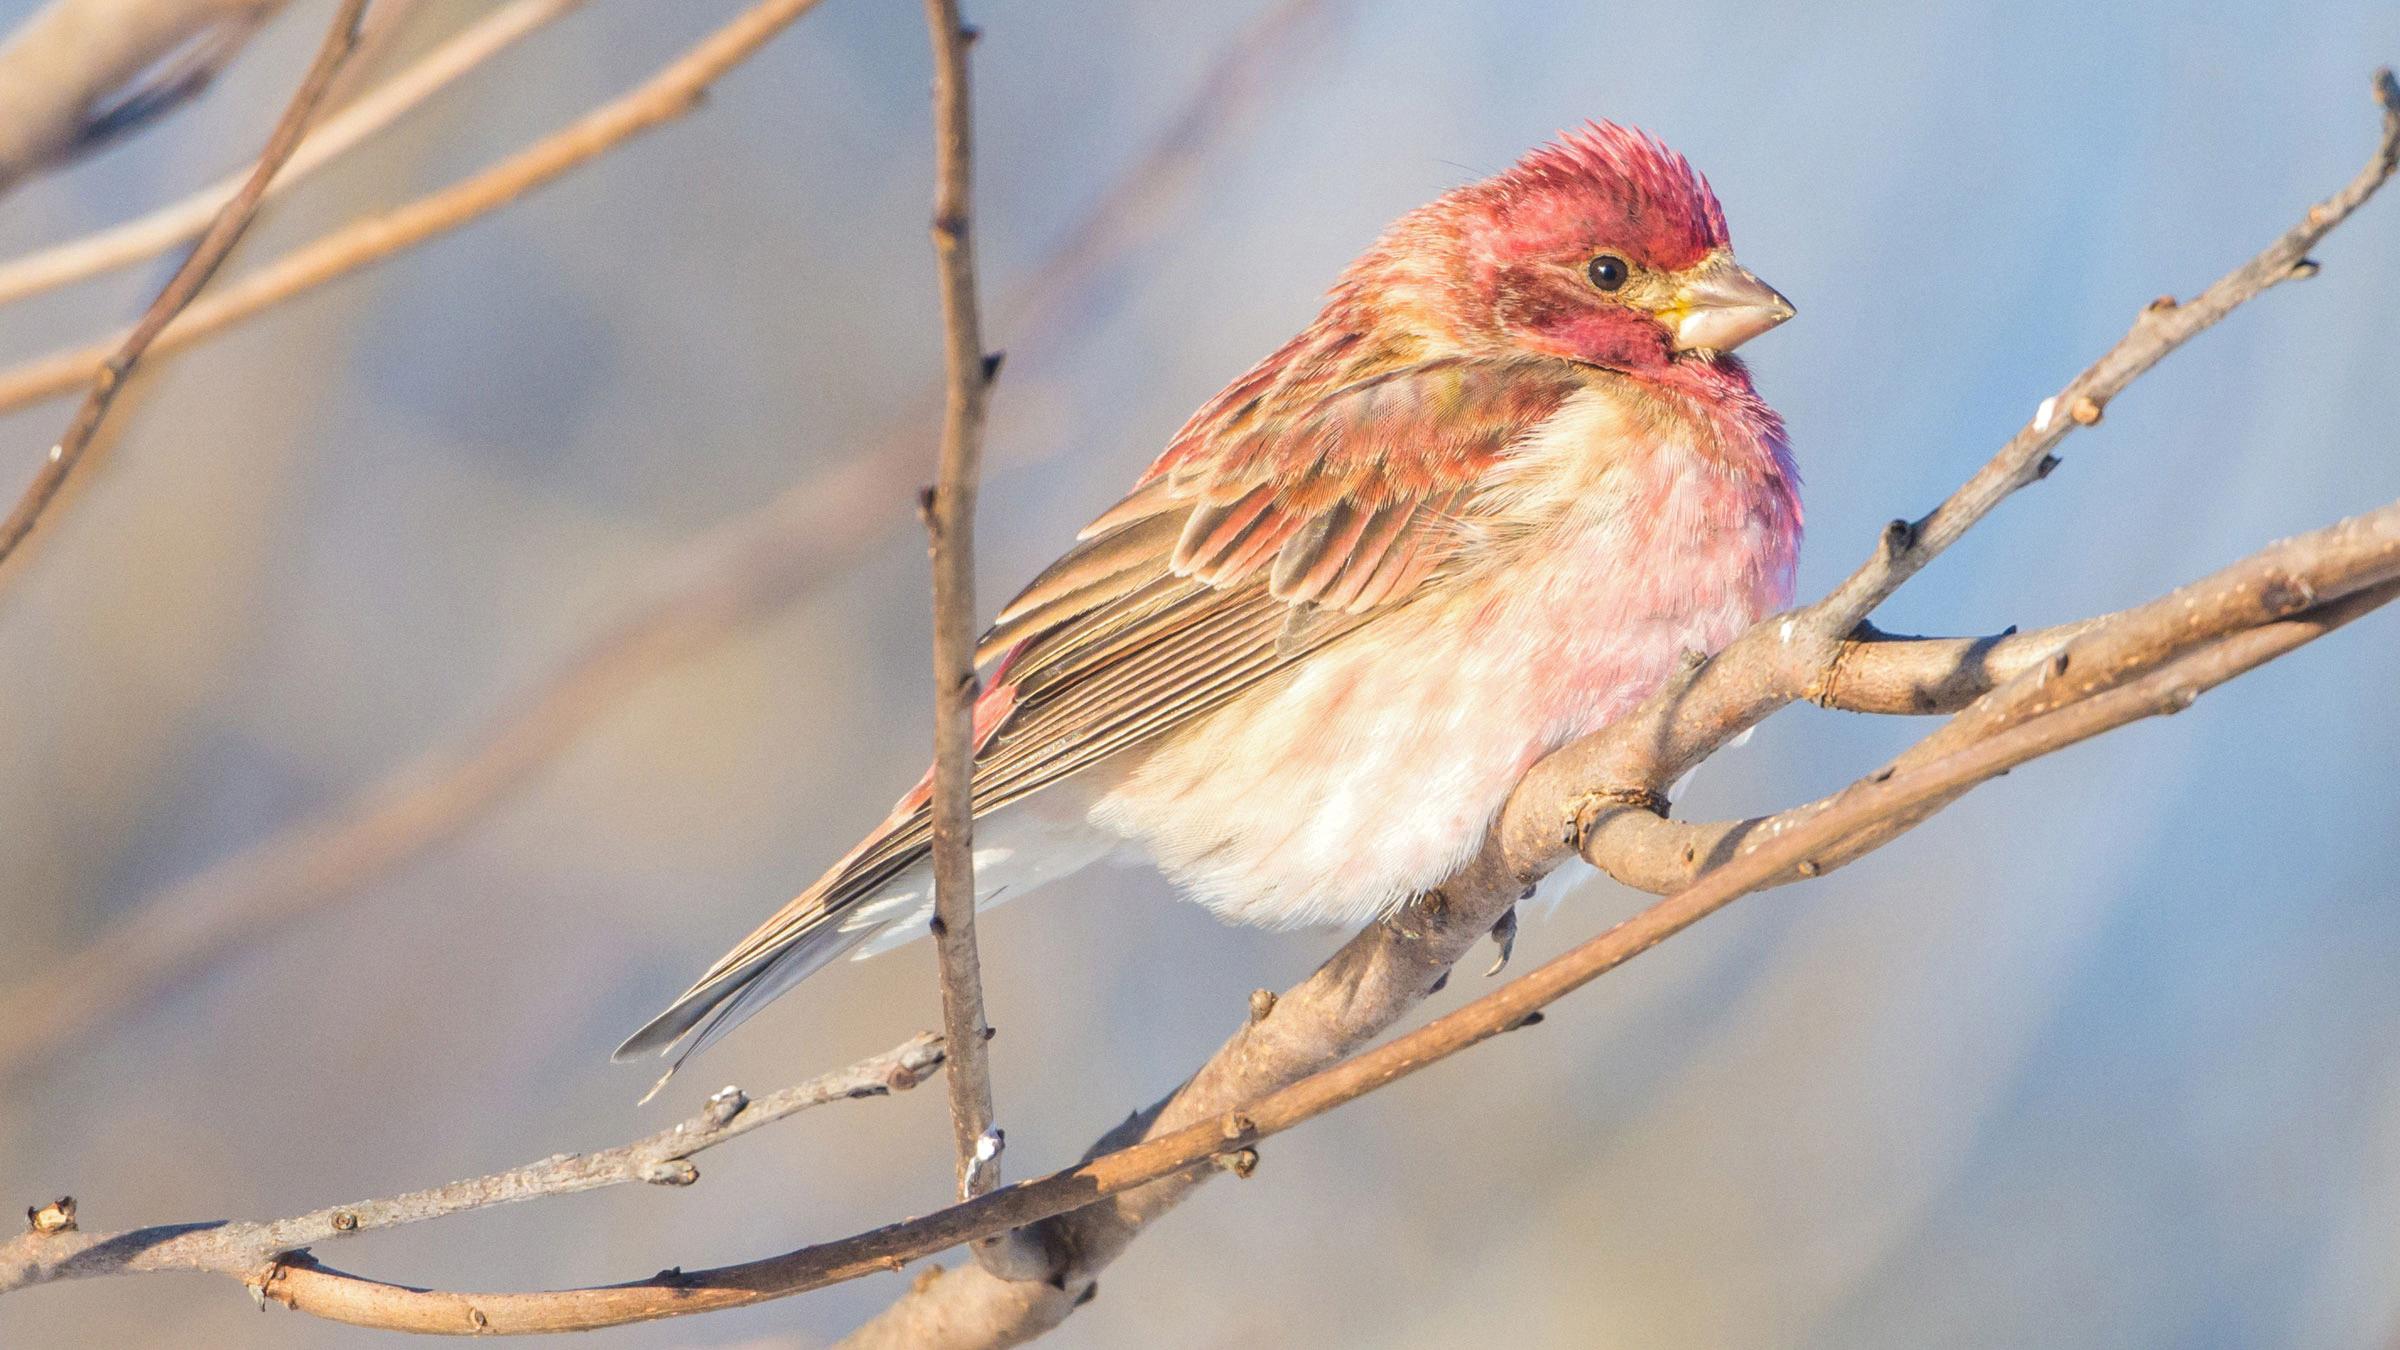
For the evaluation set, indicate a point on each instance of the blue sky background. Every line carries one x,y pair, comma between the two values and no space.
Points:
2103,1056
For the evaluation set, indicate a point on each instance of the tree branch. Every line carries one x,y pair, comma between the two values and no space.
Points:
223,233
243,1249
950,523
669,94
146,236
79,74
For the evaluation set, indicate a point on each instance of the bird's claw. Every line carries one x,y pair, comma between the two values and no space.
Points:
1504,936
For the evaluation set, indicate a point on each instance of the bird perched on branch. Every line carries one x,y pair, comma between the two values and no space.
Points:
1477,509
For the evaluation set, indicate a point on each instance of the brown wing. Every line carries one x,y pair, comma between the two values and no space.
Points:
1253,540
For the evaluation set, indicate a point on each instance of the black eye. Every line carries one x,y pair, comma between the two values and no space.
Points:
1608,271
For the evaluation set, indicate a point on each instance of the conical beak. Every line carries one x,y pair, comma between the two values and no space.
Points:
1723,306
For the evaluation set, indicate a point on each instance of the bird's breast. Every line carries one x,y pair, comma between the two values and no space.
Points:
1372,770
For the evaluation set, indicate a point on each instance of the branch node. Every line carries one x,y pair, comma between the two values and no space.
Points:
2304,269
1241,1162
670,1172
2166,303
2086,411
56,1217
1237,1126
344,1221
1262,1002
1898,537
1807,867
723,1105
1586,813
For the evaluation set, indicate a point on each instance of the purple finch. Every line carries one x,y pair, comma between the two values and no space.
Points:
1478,508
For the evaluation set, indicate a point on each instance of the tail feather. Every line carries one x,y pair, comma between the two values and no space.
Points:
877,898
705,1014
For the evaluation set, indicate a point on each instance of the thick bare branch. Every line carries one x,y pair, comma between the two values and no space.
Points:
223,232
80,73
243,1250
162,229
669,94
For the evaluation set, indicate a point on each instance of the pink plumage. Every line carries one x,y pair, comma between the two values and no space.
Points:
1476,509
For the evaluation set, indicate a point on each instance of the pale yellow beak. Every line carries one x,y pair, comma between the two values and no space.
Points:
1722,306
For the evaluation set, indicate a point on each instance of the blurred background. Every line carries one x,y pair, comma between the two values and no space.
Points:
2102,1056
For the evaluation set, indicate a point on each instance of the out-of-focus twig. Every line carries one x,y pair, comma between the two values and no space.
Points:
79,74
222,234
244,1250
672,92
128,243
739,574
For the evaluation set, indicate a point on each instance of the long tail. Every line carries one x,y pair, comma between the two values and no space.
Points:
798,940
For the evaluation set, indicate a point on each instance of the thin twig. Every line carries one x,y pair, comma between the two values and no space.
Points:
672,92
146,236
662,1159
222,234
950,522
740,573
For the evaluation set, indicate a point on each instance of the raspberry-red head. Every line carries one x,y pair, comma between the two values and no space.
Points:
1603,247
1600,182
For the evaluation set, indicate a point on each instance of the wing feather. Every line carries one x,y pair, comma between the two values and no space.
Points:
1314,495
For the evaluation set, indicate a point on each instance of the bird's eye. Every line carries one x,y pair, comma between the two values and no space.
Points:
1608,271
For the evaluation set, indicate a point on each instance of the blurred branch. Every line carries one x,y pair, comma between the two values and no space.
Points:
162,229
950,523
739,574
245,1250
80,74
672,92
1287,1064
223,232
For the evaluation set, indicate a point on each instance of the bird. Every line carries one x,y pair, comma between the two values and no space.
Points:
1479,507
